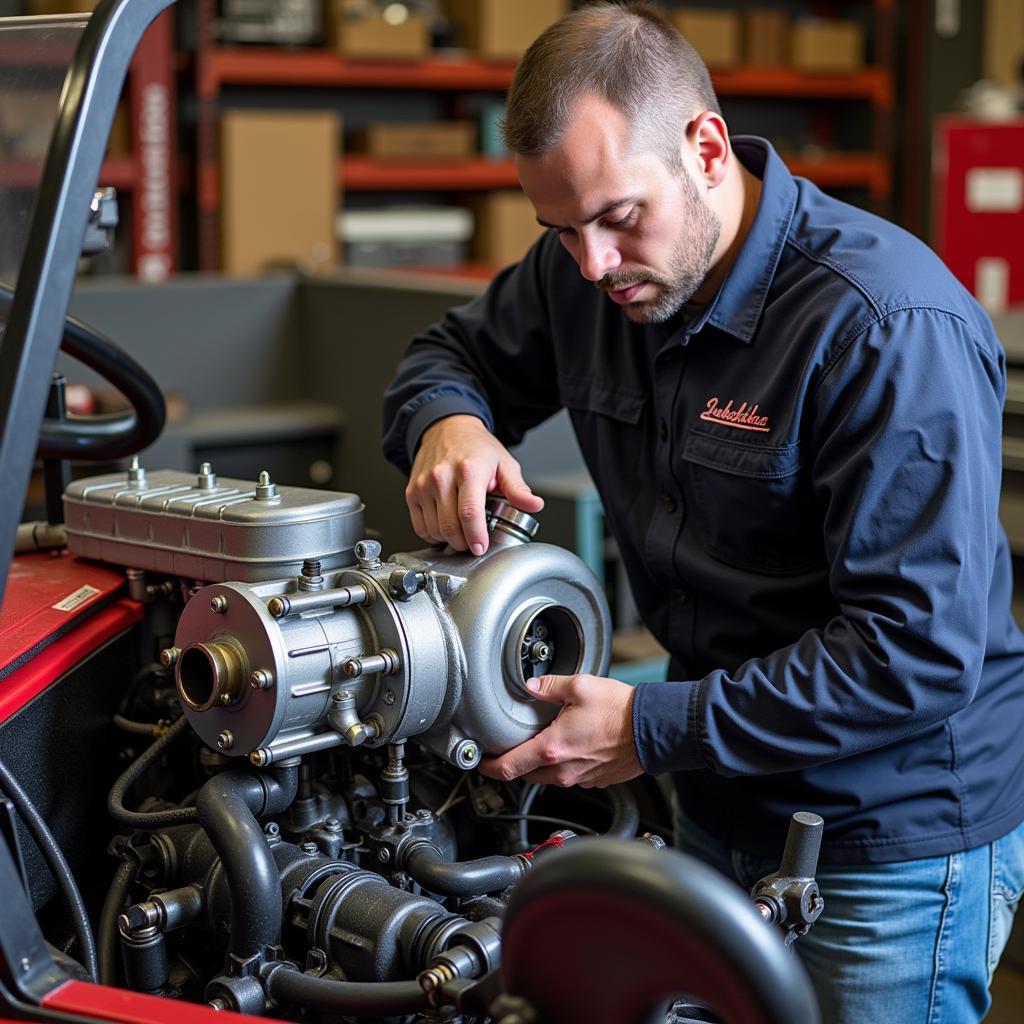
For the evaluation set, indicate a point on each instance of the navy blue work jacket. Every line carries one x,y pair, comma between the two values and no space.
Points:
803,482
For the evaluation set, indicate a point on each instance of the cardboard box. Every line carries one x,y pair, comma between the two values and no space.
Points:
279,190
765,38
502,29
716,35
358,33
506,226
433,140
61,6
828,45
1004,41
120,142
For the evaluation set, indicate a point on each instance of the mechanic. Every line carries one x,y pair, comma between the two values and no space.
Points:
792,413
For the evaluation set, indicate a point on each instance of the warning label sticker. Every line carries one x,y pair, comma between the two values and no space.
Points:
76,599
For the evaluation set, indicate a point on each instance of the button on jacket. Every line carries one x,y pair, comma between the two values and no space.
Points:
803,480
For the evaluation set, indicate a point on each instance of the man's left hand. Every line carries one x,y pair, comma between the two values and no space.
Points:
590,743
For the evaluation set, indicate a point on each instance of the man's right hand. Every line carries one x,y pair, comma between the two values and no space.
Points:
458,464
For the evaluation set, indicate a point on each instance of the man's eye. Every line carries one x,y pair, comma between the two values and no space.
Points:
625,221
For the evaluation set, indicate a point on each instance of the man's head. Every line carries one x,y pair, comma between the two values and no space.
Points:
619,141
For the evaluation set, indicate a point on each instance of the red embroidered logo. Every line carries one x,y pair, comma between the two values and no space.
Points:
743,418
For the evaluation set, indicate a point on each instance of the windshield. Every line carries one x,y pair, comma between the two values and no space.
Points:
34,58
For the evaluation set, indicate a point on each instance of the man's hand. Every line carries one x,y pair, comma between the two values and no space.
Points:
458,463
590,743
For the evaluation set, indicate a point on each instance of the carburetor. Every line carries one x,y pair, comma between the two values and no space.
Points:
344,647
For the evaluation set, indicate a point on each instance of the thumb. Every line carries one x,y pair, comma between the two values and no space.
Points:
550,689
510,483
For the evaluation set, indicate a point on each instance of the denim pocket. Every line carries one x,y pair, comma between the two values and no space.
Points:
1007,889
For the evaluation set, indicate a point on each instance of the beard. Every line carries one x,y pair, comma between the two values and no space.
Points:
688,263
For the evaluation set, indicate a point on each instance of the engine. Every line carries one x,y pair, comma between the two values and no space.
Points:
301,828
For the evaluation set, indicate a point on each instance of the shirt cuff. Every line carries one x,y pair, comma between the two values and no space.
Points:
665,726
448,404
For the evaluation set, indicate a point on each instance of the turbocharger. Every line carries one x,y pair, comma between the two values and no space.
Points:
351,649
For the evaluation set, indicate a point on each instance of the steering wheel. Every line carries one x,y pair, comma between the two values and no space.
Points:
111,435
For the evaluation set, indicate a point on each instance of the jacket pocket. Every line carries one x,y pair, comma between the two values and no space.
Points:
588,394
752,506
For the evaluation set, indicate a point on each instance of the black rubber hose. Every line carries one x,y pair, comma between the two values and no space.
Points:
228,806
371,998
111,436
625,812
426,864
155,819
58,865
106,931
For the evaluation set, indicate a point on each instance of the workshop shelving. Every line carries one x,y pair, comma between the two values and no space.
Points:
218,68
147,176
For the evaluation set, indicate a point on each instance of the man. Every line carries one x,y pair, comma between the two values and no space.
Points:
792,413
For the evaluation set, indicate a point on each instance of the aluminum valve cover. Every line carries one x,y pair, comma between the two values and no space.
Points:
209,529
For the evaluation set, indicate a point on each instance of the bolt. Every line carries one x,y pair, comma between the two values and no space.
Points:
468,753
540,631
539,651
266,488
219,1004
26,964
310,848
383,855
341,695
368,553
260,758
332,825
389,697
261,679
225,740
224,698
423,814
169,655
271,830
277,607
219,604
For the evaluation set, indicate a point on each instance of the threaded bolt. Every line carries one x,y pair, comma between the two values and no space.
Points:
226,740
261,679
219,604
169,656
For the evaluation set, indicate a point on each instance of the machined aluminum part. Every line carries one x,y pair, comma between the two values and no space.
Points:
445,665
209,529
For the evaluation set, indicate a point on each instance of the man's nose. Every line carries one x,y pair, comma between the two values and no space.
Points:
597,257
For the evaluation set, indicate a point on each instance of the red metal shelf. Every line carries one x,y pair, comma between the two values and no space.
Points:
325,69
118,173
845,170
360,174
870,83
264,65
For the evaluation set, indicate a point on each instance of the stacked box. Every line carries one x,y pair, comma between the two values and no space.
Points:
279,190
714,34
502,30
828,45
506,226
360,32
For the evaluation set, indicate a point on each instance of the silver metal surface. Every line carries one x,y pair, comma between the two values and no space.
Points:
202,528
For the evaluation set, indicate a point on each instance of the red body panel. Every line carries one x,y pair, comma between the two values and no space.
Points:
115,1004
49,622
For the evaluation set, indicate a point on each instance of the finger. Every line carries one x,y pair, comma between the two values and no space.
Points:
428,509
535,753
550,689
472,480
445,508
511,484
419,527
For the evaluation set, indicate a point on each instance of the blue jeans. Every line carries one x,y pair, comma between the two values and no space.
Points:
914,942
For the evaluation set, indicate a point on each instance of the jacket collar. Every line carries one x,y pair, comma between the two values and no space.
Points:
737,305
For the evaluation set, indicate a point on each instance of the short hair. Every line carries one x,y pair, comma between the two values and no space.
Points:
626,53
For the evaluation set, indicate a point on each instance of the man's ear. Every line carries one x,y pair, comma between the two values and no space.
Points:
709,138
